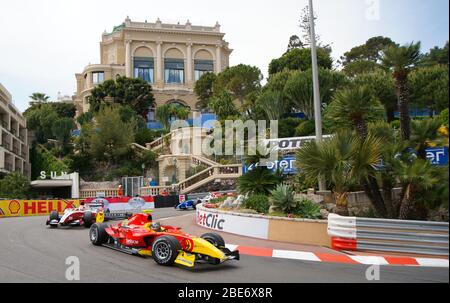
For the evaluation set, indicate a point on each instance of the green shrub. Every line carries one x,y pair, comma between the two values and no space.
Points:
287,126
395,124
306,128
260,203
308,209
444,116
283,198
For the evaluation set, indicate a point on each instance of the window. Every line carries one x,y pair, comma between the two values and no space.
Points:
202,67
98,77
144,69
151,115
174,70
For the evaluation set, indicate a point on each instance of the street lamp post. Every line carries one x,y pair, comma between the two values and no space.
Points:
315,70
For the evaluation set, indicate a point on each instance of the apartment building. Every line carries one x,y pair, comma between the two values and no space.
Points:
14,149
171,57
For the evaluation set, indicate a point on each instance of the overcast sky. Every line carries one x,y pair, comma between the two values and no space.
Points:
43,43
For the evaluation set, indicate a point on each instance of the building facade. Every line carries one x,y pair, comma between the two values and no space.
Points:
14,149
171,57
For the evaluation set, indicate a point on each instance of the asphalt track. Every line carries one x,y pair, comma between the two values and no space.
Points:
31,252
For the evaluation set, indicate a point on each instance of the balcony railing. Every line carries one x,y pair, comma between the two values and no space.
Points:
5,124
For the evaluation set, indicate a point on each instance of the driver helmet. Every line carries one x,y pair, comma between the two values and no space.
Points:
156,226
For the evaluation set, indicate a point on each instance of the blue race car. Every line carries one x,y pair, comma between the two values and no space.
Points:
186,205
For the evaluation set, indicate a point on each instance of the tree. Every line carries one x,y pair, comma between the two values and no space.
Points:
168,112
40,119
423,134
354,106
223,106
300,59
371,51
299,89
110,137
382,87
240,80
64,110
14,186
204,89
429,88
342,160
436,56
85,118
39,97
402,60
295,42
353,69
134,92
273,104
62,130
259,180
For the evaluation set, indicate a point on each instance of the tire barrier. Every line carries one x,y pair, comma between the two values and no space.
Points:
124,203
399,236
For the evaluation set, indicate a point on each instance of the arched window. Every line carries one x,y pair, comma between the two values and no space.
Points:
203,63
174,67
144,64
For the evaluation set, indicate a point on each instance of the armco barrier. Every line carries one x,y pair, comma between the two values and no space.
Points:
298,231
20,208
418,237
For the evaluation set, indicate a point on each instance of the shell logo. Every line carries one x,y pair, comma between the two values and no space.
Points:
188,245
14,207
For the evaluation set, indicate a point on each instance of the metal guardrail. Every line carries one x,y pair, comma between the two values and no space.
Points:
419,237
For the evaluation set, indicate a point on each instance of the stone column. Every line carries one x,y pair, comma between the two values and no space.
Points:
128,61
218,58
189,65
159,63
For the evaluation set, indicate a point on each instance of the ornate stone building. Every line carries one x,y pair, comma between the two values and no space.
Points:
171,57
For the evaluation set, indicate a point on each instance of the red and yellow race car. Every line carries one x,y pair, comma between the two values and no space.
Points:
168,245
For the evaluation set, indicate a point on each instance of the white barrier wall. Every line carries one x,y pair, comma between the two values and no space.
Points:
235,224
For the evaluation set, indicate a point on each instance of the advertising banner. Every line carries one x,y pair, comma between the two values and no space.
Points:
19,208
245,226
124,203
286,165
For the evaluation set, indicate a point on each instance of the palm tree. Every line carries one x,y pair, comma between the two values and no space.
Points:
259,180
402,60
355,105
163,115
273,104
342,161
417,177
424,134
39,97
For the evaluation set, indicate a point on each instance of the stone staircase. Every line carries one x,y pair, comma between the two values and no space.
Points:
213,172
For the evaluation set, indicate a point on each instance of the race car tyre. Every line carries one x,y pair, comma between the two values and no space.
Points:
165,250
98,234
54,215
214,239
88,219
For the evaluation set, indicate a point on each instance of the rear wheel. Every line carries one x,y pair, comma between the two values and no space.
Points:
165,250
54,215
88,219
98,234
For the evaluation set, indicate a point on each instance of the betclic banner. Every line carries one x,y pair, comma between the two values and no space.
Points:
20,208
